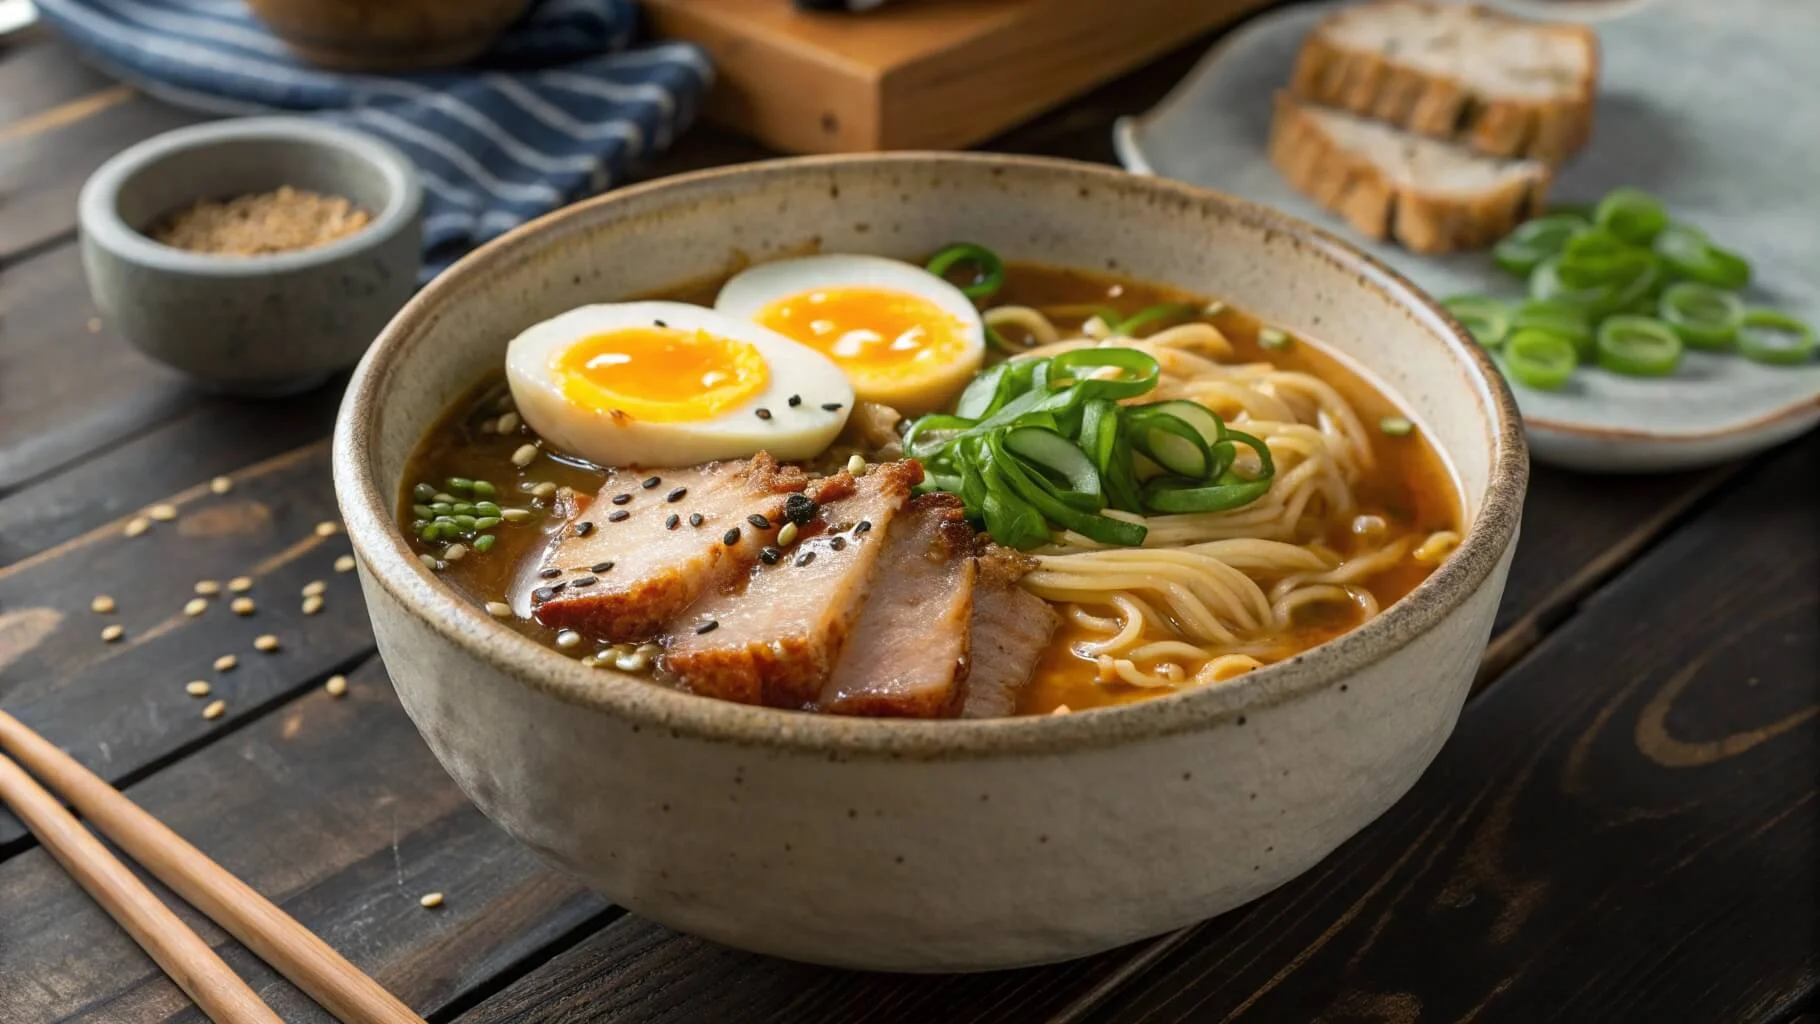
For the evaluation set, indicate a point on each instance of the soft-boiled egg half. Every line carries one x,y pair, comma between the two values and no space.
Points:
903,336
670,384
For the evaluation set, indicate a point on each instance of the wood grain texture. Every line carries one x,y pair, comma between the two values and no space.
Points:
39,77
1625,829
120,707
335,810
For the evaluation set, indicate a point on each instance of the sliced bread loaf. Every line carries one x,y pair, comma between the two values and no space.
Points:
1505,86
1428,196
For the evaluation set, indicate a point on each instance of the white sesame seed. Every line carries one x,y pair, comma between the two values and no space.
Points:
567,638
101,605
544,490
164,512
226,663
197,688
240,584
344,564
207,588
314,588
634,662
787,535
856,464
430,900
514,515
312,604
650,650
195,606
215,710
113,633
524,456
243,606
137,525
499,609
429,561
327,528
336,685
454,552
507,423
221,484
265,642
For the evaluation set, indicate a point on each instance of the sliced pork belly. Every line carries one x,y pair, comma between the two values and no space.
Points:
908,654
1010,628
776,640
636,556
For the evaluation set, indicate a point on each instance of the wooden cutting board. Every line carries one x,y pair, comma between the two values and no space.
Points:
919,74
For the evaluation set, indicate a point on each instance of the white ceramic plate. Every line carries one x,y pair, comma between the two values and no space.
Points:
1713,106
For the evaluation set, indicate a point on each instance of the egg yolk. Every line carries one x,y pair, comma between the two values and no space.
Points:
871,333
660,374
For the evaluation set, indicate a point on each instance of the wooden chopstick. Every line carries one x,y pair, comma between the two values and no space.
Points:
184,956
310,963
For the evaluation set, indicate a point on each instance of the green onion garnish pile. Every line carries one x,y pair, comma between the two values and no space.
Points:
1623,286
1036,444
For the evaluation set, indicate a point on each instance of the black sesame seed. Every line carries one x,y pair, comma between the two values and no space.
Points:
651,481
864,525
799,509
558,587
618,515
583,581
542,594
795,400
660,323
707,627
677,494
837,543
769,556
622,499
671,521
758,521
550,573
763,414
696,519
583,528
805,558
731,537
832,406
601,567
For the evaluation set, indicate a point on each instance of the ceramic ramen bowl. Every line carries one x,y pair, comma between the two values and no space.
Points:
931,845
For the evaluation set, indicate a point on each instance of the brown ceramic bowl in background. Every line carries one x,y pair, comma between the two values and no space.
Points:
387,35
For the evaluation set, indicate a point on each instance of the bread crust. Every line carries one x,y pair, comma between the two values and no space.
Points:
1349,184
1372,85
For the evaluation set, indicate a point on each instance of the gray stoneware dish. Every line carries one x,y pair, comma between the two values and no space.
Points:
260,325
947,845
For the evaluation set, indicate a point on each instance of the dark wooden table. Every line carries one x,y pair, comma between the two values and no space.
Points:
1622,829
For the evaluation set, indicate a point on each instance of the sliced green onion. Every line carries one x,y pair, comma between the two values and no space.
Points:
988,269
1557,317
1704,316
1171,443
1138,371
1688,253
1638,346
1002,343
1485,318
1195,415
1129,326
1632,215
1056,453
1767,336
485,543
1540,360
1536,240
1396,426
424,493
1272,338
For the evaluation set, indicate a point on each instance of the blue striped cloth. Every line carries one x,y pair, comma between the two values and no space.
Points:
559,108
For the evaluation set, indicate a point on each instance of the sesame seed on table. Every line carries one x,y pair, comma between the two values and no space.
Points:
1630,766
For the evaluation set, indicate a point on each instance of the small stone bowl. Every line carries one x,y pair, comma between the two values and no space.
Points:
252,325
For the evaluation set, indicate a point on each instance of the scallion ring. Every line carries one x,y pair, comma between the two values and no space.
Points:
1632,215
1767,336
1539,360
1704,316
1689,254
1536,240
1557,317
1485,318
1638,346
988,269
1151,315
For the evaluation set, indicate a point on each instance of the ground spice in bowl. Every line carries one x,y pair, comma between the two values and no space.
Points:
284,220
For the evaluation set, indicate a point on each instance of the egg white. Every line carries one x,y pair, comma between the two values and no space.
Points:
791,433
932,387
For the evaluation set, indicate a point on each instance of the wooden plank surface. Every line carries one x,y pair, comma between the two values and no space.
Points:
1625,829
334,809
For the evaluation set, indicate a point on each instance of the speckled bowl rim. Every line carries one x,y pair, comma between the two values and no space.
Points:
98,206
390,564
